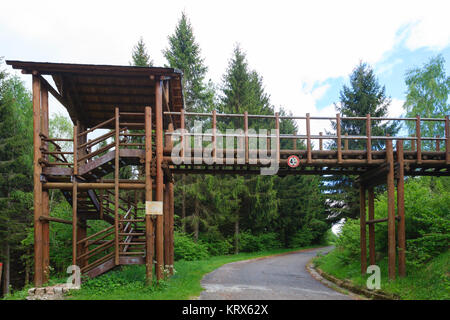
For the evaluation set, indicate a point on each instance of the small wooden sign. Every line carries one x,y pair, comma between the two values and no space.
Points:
154,208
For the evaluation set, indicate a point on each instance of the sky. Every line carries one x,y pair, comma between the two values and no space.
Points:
304,50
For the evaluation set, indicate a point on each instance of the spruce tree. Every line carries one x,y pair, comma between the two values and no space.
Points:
364,96
140,56
184,53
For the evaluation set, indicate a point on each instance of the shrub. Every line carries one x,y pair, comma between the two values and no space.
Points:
186,249
263,242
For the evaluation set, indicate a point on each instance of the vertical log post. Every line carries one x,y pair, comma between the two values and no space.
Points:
339,141
419,142
45,193
371,198
308,139
447,140
214,137
362,227
438,143
277,130
159,180
116,187
320,141
182,127
346,142
37,187
369,138
391,210
148,197
401,236
246,136
171,224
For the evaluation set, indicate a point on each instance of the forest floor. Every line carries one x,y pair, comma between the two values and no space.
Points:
430,282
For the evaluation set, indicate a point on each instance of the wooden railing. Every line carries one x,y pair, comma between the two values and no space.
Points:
341,139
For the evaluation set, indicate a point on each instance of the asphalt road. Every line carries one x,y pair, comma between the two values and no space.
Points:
276,278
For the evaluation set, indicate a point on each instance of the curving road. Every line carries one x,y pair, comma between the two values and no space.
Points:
282,277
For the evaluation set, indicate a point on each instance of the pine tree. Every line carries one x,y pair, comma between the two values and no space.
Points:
364,96
140,56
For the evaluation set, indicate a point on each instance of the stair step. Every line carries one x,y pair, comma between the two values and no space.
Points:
132,234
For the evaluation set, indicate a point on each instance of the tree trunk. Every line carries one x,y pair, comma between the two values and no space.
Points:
183,203
236,235
6,268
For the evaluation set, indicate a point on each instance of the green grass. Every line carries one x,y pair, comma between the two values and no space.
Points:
128,282
430,282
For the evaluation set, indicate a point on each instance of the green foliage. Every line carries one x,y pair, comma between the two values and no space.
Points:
140,56
364,96
184,53
262,242
428,89
185,248
427,216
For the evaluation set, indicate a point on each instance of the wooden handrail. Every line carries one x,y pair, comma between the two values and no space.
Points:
96,127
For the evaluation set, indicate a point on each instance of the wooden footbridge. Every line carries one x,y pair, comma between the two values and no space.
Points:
131,116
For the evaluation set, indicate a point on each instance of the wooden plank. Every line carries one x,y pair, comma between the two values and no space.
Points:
401,232
391,210
362,229
74,220
159,181
37,185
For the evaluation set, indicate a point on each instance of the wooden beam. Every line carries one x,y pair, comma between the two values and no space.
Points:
37,186
159,180
369,138
308,139
362,228
339,141
116,187
149,245
371,197
401,232
391,210
45,195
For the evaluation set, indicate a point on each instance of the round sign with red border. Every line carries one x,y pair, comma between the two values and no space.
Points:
293,161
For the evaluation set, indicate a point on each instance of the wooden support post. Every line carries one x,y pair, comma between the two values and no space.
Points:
369,138
346,142
74,220
339,141
148,197
308,139
116,188
166,213
45,193
277,129
401,233
214,137
362,227
320,141
246,135
182,127
371,198
37,188
78,153
171,224
447,140
419,142
438,143
159,180
391,210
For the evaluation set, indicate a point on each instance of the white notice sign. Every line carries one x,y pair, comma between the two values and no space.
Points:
154,207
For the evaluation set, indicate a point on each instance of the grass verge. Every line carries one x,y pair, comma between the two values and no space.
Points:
428,283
